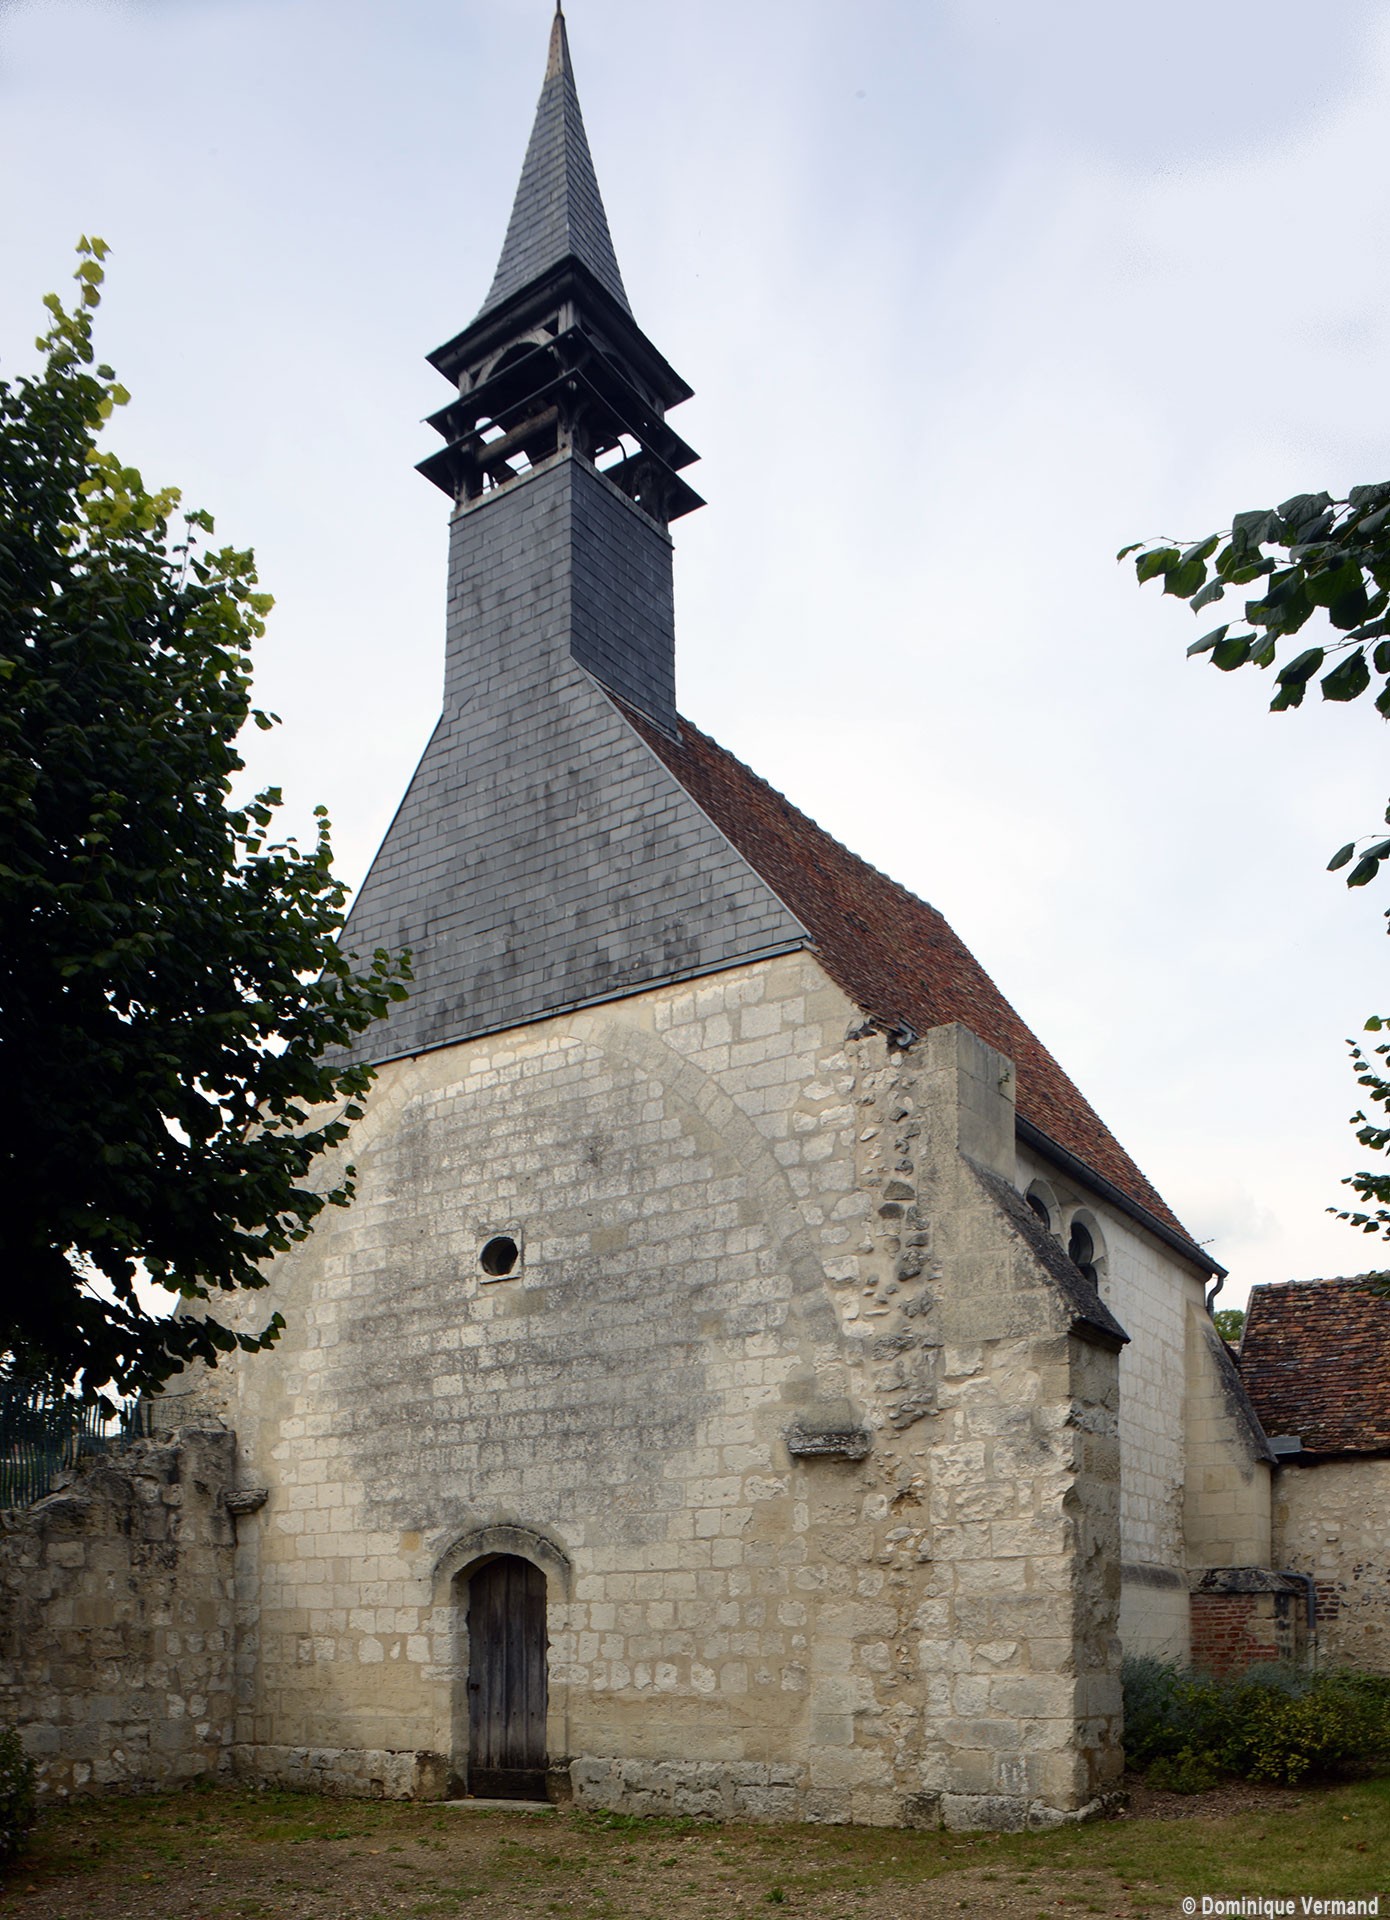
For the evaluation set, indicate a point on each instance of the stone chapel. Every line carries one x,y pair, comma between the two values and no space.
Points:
752,1381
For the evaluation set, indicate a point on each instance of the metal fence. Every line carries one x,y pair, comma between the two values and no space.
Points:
44,1433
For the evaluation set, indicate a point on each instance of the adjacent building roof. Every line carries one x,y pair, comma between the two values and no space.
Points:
1315,1359
558,211
890,952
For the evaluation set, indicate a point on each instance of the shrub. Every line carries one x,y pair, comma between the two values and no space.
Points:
1275,1723
1186,1772
1338,1724
16,1793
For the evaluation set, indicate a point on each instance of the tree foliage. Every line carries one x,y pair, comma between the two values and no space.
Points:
171,990
1311,555
1372,1189
1229,1323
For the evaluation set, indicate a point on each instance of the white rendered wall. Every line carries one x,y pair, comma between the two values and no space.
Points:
1150,1291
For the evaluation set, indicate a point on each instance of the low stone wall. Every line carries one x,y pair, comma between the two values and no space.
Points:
116,1618
747,1791
355,1773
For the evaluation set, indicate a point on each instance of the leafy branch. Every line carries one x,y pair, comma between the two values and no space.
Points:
1372,1188
1311,555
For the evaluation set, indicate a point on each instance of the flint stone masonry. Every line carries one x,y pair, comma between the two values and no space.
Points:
116,1619
713,1259
1332,1521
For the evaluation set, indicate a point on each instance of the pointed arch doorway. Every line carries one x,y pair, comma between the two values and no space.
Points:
507,1679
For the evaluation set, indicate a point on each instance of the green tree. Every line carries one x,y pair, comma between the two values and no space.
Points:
1229,1323
1312,555
171,990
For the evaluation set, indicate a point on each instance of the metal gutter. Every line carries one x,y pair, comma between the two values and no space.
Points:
1034,1137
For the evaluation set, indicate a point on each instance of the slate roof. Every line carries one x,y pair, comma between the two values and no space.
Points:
542,858
1315,1359
558,211
890,952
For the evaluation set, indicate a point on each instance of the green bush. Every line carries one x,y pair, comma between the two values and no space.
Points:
1185,1730
16,1793
1186,1772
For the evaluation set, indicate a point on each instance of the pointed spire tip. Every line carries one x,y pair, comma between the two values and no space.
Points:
558,211
559,61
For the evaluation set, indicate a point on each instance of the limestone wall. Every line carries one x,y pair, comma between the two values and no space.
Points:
116,1619
742,1232
1226,1509
1332,1520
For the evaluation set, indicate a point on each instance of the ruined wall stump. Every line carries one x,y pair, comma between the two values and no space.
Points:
116,1618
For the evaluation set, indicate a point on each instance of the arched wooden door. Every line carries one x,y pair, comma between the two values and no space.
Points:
507,1680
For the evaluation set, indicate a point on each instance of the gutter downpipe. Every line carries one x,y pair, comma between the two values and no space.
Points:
1311,1592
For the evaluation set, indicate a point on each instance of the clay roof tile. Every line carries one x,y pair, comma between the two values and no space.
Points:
891,953
1315,1359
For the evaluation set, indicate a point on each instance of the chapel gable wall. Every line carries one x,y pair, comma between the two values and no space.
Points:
780,1379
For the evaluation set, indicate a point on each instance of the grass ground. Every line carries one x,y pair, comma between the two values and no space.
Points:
224,1855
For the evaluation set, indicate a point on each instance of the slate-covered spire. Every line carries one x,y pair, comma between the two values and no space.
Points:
558,212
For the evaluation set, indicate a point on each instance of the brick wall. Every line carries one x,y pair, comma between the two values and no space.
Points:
1245,1616
1231,1631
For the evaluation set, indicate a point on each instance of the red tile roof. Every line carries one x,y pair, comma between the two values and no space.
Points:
1315,1359
890,952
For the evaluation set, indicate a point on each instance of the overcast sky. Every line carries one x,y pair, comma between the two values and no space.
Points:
972,293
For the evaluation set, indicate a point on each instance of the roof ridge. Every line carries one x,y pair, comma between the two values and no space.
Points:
1359,1280
1314,1363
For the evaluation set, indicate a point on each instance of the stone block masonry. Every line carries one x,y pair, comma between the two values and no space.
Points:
116,1619
740,1221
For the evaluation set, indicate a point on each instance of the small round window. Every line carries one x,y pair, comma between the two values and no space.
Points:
500,1256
